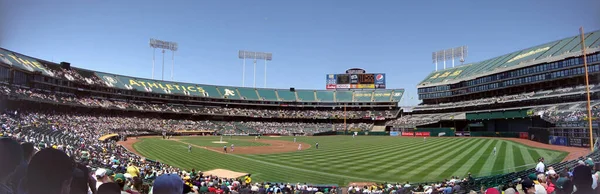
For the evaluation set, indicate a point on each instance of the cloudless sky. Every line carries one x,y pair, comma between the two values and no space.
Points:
308,38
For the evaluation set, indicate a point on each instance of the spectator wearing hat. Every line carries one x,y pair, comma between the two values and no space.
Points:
101,177
167,184
528,187
49,172
564,184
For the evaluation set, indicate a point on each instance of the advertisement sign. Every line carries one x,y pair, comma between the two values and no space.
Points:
408,134
343,86
423,134
382,86
331,79
354,86
394,133
579,142
353,79
366,86
558,140
380,78
331,86
524,135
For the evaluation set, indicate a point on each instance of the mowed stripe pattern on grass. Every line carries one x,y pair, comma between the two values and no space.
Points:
343,159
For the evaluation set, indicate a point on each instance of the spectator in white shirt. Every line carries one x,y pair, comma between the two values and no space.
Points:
540,168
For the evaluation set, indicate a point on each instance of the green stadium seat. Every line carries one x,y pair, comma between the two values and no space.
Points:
248,93
267,94
306,95
286,95
325,96
363,96
343,96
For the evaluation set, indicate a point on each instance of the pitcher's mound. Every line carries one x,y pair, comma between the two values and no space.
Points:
219,142
225,173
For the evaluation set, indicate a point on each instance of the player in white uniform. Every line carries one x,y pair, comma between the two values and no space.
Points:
294,140
189,148
494,151
299,147
232,147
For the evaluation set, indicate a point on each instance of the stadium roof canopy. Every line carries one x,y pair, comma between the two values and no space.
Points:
548,52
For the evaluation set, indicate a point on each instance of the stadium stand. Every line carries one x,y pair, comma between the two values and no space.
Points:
60,108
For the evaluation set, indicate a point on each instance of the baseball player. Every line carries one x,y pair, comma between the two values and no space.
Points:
294,140
225,149
494,150
317,145
424,139
189,148
299,147
232,147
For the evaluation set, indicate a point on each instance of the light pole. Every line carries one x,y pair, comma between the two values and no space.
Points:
255,56
164,45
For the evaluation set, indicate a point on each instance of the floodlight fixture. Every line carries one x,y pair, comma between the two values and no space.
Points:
242,54
449,55
164,45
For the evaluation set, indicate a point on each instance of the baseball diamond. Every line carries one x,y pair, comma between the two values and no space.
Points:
343,159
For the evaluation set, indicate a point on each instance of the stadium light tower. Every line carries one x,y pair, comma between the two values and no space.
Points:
449,54
256,56
164,45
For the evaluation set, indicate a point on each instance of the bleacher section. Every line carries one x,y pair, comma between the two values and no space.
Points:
196,90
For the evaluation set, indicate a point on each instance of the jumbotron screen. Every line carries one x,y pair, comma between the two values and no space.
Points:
355,81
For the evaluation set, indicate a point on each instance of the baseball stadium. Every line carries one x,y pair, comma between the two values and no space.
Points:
522,121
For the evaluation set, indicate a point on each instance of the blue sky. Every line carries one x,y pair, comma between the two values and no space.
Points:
308,38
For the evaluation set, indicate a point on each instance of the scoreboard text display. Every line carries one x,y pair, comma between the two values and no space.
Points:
355,81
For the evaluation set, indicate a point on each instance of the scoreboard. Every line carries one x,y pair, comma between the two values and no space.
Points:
355,81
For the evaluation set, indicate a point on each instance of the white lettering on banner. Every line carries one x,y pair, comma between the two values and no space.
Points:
343,86
523,55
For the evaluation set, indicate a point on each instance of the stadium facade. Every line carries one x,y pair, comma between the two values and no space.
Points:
542,87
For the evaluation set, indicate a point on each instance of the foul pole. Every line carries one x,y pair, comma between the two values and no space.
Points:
587,89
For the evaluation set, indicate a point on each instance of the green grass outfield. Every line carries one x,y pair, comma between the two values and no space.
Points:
342,159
